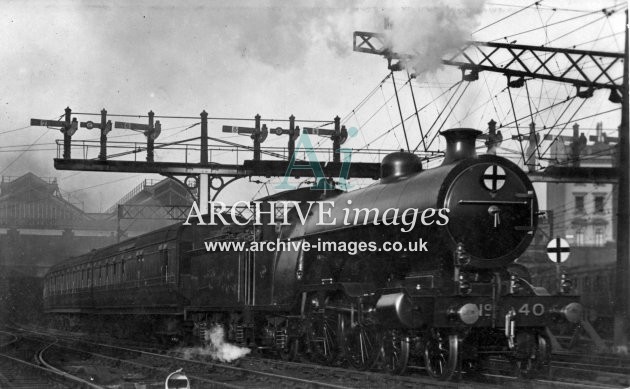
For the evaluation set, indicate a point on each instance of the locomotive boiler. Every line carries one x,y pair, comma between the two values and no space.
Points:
443,292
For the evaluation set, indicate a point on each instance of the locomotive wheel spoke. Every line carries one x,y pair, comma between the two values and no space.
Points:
361,344
441,355
395,352
323,337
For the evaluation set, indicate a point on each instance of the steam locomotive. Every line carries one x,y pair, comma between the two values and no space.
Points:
447,308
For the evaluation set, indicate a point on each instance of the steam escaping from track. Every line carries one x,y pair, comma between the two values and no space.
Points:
430,32
218,349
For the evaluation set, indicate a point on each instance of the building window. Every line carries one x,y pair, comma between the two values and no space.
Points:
579,204
599,236
579,237
599,204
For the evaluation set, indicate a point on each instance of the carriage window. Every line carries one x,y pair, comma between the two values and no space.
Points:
139,262
164,264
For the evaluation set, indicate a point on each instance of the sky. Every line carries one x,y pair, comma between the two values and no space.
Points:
242,58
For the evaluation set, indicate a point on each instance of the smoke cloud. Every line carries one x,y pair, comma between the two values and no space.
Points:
218,349
282,36
430,33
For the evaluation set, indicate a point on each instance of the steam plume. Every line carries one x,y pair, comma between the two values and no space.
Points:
218,349
430,32
281,36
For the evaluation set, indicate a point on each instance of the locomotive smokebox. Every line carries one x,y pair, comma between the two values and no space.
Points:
460,144
400,164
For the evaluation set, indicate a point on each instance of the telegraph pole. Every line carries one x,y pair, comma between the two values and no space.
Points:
337,138
291,144
67,135
256,138
150,140
203,182
622,301
104,130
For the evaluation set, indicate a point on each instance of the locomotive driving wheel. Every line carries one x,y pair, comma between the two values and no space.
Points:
322,335
361,343
394,355
441,354
537,363
291,351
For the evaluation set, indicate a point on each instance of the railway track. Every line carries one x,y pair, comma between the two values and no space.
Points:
604,362
569,372
251,372
23,366
145,361
247,372
202,374
606,370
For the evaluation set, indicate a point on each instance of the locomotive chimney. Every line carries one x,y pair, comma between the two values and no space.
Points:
460,144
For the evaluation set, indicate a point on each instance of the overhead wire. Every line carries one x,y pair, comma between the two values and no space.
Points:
16,129
458,84
618,6
506,17
565,126
402,121
28,148
531,115
415,106
447,115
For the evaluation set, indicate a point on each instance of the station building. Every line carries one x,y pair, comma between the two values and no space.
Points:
39,227
584,214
